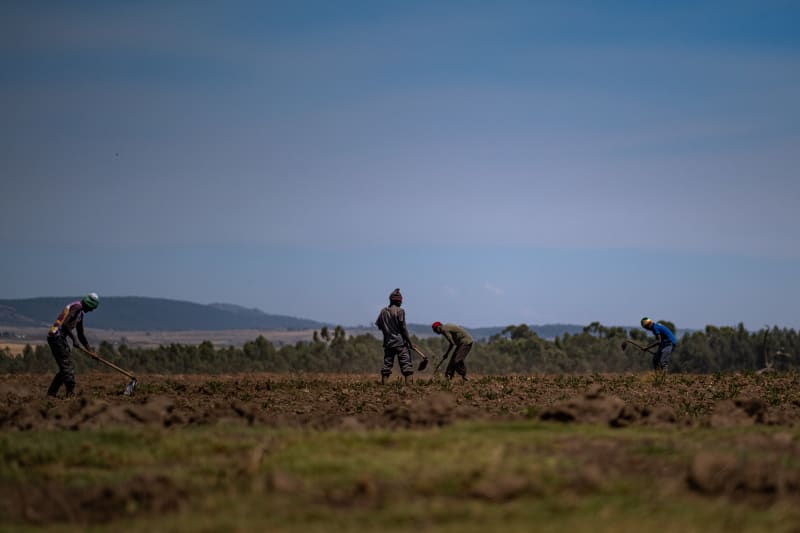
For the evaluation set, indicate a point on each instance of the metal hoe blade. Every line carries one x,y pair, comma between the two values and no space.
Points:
424,363
130,387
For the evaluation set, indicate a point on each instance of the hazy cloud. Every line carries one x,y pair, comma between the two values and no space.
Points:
565,149
494,289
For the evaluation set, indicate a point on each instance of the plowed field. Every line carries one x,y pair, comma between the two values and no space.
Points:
330,401
338,453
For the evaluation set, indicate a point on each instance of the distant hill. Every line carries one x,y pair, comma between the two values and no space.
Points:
546,331
150,314
133,313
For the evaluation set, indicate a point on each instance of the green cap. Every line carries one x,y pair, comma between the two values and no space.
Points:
91,300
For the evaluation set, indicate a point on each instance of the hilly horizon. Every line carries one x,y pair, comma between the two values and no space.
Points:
161,314
156,314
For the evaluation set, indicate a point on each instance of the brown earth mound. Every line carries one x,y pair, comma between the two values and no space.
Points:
745,412
437,409
594,407
361,402
92,505
732,475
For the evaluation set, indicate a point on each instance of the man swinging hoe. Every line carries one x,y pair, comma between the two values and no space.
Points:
460,343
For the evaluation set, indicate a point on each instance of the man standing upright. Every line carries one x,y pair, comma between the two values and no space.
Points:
665,340
71,317
396,340
459,339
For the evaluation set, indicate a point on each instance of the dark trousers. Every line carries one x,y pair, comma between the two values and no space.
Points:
403,358
66,367
662,358
456,363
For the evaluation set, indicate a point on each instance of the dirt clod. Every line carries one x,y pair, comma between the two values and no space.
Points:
499,488
592,407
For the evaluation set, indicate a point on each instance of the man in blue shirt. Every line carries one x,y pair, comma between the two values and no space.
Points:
665,340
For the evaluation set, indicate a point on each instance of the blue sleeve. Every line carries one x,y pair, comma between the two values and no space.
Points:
665,333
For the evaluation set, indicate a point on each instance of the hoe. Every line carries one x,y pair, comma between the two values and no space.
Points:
424,363
131,385
625,344
436,368
442,360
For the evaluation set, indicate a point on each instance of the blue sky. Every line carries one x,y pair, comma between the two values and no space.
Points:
500,162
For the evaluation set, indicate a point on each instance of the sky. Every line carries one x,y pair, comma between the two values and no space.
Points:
500,162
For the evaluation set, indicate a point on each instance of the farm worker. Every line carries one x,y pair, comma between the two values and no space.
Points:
665,340
71,317
396,340
459,339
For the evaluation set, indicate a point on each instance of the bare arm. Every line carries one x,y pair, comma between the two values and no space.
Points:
81,336
451,344
656,343
404,329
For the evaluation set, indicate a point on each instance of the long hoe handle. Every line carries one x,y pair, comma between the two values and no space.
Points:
416,349
107,363
637,345
442,360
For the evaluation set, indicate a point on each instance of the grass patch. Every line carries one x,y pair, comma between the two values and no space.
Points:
467,477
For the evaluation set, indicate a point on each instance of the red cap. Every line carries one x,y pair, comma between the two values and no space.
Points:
435,325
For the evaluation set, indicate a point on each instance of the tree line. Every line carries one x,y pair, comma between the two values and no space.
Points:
516,350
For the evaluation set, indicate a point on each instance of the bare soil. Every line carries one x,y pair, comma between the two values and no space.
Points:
756,468
357,401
